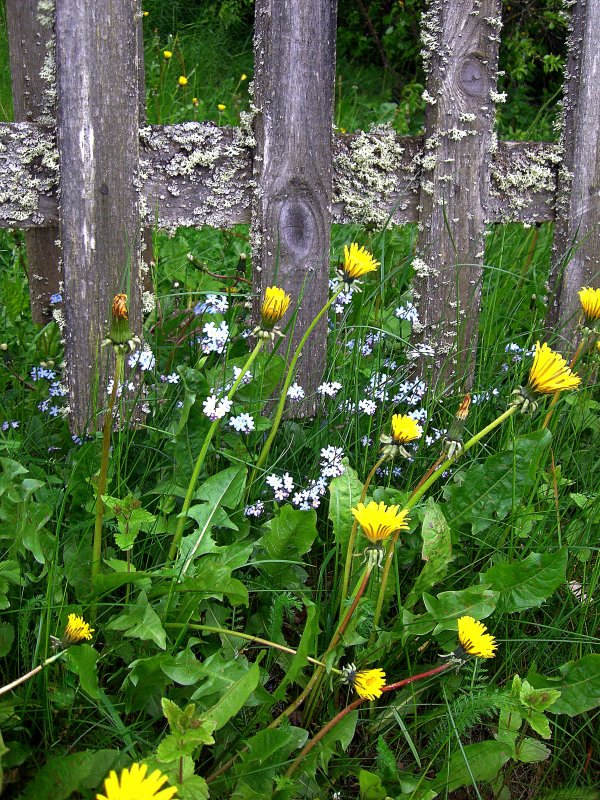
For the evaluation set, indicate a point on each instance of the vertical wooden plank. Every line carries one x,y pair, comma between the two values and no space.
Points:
294,51
578,202
460,39
31,47
98,138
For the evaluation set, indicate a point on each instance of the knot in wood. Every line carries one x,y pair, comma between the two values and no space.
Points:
472,77
297,227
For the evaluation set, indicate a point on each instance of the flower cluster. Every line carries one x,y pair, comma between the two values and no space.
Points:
212,304
331,462
255,510
329,389
215,337
311,497
282,486
142,359
409,313
296,392
216,408
243,423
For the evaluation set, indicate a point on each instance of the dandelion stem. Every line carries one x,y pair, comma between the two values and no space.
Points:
189,495
389,555
352,539
418,494
286,385
30,674
355,704
247,636
103,476
315,678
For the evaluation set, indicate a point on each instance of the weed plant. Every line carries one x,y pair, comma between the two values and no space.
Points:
198,649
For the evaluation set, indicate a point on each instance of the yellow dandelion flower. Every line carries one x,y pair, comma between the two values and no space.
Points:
182,80
368,683
194,101
133,784
405,429
474,638
274,305
76,631
379,521
590,302
221,106
243,77
167,54
146,13
550,373
357,263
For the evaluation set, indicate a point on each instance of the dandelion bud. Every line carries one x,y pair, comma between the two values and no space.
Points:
452,442
120,335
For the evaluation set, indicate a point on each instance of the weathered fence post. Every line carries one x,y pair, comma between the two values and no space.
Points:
31,40
293,93
98,139
576,251
460,49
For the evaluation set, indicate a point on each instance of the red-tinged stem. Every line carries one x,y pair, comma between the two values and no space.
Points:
355,704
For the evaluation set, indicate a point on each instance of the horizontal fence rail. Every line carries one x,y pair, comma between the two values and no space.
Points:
196,174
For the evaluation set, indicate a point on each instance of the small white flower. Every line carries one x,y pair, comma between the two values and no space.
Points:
408,312
296,392
329,389
216,409
256,510
331,462
368,407
213,304
243,423
215,338
143,359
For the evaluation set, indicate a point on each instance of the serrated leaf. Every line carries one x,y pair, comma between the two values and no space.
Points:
199,542
489,491
140,622
62,776
526,584
537,699
286,538
436,552
7,637
306,645
266,752
234,698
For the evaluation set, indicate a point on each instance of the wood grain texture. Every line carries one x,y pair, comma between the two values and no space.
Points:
460,41
294,58
576,251
31,49
218,193
98,141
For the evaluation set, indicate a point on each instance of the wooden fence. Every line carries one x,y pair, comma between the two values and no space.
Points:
83,176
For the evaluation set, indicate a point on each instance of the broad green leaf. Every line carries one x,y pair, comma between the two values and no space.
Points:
489,491
579,686
214,579
371,787
226,488
526,584
266,752
479,762
62,776
199,542
82,660
436,552
140,622
287,537
235,697
529,751
476,601
344,494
